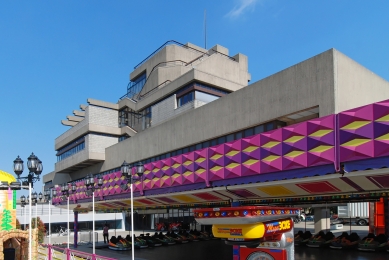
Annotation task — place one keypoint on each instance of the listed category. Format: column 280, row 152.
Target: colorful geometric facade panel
column 364, row 132
column 318, row 187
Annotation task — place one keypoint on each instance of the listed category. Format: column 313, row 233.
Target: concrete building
column 183, row 99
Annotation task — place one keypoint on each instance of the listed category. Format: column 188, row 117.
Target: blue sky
column 56, row 54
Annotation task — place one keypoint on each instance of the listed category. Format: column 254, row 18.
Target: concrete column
column 322, row 219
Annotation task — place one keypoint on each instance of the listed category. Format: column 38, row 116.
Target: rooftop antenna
column 205, row 28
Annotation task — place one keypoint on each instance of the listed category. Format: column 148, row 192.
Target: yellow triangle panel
column 232, row 153
column 320, row 148
column 270, row 144
column 356, row 142
column 321, row 133
column 294, row 139
column 355, row 125
column 271, row 158
column 250, row 149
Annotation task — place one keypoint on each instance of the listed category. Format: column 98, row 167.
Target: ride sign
column 281, row 226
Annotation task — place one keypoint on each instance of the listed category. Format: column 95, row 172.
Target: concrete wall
column 97, row 119
column 304, row 85
column 98, row 143
column 167, row 109
column 355, row 85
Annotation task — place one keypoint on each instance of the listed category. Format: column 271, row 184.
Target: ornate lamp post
column 23, row 202
column 65, row 192
column 35, row 167
column 127, row 173
column 90, row 185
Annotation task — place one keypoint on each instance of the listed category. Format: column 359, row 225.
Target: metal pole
column 68, row 231
column 24, row 211
column 93, row 220
column 50, row 220
column 29, row 221
column 36, row 215
column 132, row 223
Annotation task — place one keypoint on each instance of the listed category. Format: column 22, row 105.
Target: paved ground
column 216, row 249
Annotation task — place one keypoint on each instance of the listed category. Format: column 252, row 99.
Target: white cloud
column 241, row 7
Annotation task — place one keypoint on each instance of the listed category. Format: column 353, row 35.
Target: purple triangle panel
column 232, row 173
column 381, row 148
column 299, row 145
column 380, row 110
column 276, row 150
column 216, row 175
column 252, row 169
column 351, row 155
column 366, row 131
column 234, row 145
column 328, row 139
column 296, row 129
column 254, row 140
column 346, row 136
column 380, row 129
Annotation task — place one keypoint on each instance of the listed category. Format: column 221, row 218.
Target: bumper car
column 345, row 241
column 119, row 244
column 321, row 239
column 165, row 240
column 176, row 238
column 373, row 243
column 151, row 241
column 138, row 242
column 302, row 238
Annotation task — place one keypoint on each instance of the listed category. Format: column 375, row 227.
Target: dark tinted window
column 248, row 132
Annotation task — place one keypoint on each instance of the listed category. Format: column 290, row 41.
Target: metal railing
column 171, row 42
column 50, row 252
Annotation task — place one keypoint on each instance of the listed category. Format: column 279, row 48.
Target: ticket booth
column 256, row 232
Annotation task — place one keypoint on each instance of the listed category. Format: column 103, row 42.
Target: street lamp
column 90, row 186
column 127, row 173
column 48, row 199
column 65, row 192
column 34, row 166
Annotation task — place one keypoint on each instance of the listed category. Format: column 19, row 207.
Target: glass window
column 174, row 153
column 167, row 155
column 248, row 132
column 221, row 140
column 205, row 97
column 199, row 146
column 269, row 126
column 230, row 138
column 258, row 129
column 213, row 142
column 238, row 135
column 185, row 99
column 185, row 150
column 179, row 152
column 206, row 144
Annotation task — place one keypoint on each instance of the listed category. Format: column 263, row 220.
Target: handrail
column 165, row 62
column 145, row 94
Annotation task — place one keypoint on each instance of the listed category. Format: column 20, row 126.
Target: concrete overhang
column 78, row 113
column 75, row 118
column 169, row 89
column 60, row 142
column 68, row 123
column 79, row 161
column 100, row 103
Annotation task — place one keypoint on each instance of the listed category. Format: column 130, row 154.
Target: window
column 136, row 85
column 258, row 129
column 248, row 132
column 185, row 99
column 230, row 138
column 205, row 97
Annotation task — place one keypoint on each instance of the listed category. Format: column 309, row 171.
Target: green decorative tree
column 6, row 221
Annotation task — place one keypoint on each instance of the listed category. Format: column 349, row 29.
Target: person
column 105, row 233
